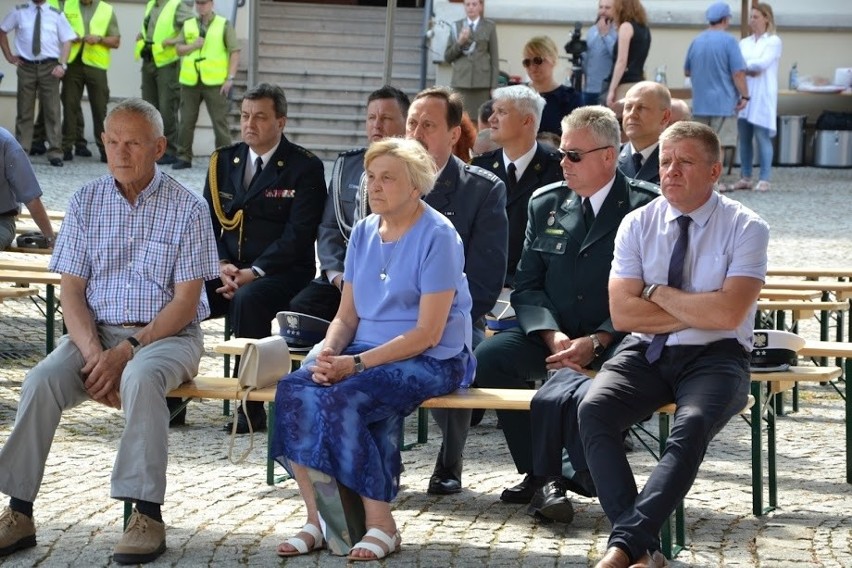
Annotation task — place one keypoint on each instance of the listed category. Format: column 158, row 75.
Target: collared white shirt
column 598, row 198
column 250, row 166
column 473, row 23
column 521, row 163
column 646, row 153
column 55, row 30
column 725, row 239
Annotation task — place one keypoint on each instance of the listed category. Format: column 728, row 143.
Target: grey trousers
column 56, row 384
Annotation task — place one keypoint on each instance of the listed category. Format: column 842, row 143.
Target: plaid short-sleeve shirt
column 133, row 255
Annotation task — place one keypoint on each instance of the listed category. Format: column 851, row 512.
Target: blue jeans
column 748, row 131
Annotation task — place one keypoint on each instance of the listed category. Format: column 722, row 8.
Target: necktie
column 675, row 281
column 512, row 177
column 588, row 213
column 258, row 167
column 637, row 162
column 37, row 33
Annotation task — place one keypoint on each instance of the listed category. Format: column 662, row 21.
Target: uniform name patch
column 280, row 193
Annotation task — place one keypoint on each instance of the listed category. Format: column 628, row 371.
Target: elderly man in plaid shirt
column 134, row 251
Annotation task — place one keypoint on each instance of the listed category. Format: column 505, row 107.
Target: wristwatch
column 134, row 343
column 359, row 365
column 597, row 345
column 256, row 272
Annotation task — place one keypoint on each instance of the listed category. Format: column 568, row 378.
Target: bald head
column 680, row 111
column 647, row 112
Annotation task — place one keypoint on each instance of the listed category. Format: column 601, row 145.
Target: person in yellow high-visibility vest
column 163, row 21
column 97, row 33
column 210, row 54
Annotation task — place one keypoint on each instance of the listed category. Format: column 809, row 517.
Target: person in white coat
column 762, row 53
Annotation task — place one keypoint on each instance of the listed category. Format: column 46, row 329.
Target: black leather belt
column 40, row 61
column 11, row 213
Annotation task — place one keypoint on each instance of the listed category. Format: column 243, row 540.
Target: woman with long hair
column 762, row 53
column 631, row 48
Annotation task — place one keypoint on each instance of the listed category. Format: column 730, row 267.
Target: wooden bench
column 52, row 215
column 49, row 280
column 494, row 399
column 781, row 294
column 810, row 273
column 8, row 293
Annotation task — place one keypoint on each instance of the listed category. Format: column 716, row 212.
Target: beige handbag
column 262, row 364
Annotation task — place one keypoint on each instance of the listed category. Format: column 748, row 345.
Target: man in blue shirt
column 716, row 68
column 597, row 61
column 134, row 251
column 685, row 277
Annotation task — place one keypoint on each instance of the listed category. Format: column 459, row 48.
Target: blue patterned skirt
column 351, row 430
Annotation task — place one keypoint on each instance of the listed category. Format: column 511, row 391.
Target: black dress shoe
column 443, row 484
column 549, row 502
column 178, row 419
column 83, row 151
column 37, row 149
column 258, row 419
column 56, row 162
column 67, row 155
column 166, row 160
column 520, row 493
column 181, row 165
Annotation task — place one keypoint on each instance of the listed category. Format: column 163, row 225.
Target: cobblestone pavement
column 219, row 514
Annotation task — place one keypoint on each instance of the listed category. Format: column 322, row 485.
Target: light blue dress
column 351, row 430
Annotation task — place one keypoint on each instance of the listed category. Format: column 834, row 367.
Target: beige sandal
column 301, row 545
column 744, row 183
column 762, row 185
column 393, row 543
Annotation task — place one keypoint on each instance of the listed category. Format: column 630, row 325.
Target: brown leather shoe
column 648, row 560
column 614, row 558
column 17, row 531
column 143, row 541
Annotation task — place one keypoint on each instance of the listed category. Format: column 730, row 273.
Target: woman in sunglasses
column 631, row 49
column 539, row 62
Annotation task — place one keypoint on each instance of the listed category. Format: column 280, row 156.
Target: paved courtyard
column 219, row 514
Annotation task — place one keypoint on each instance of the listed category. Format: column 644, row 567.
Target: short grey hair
column 701, row 133
column 419, row 164
column 525, row 99
column 600, row 120
column 141, row 108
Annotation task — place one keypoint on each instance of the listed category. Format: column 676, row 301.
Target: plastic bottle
column 660, row 77
column 794, row 77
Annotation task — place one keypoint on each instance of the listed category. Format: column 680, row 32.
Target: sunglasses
column 577, row 155
column 533, row 61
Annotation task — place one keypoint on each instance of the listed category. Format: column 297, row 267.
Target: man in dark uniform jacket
column 386, row 111
column 523, row 164
column 560, row 298
column 475, row 202
column 647, row 112
column 266, row 198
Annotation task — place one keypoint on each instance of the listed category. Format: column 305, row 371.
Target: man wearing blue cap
column 717, row 69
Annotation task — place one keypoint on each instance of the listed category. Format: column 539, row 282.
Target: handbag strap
column 245, row 454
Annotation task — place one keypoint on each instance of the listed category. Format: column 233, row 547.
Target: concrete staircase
column 328, row 59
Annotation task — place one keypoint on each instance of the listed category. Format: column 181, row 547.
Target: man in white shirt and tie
column 472, row 51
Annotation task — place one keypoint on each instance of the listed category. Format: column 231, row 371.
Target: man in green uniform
column 210, row 54
column 163, row 21
column 97, row 34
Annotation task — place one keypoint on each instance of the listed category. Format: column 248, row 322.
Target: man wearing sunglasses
column 561, row 302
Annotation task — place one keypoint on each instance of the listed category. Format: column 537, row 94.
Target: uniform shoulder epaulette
column 551, row 152
column 353, row 152
column 482, row 172
column 305, row 152
column 489, row 160
column 548, row 188
column 647, row 186
column 228, row 146
column 22, row 6
column 54, row 9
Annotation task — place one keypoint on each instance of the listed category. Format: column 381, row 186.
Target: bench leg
column 50, row 301
column 422, row 426
column 226, row 404
column 757, row 450
column 848, row 400
column 770, row 458
column 666, row 531
column 128, row 510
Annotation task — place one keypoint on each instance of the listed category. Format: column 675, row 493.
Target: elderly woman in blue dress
column 402, row 335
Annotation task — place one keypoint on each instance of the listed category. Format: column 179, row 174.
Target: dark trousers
column 319, row 298
column 78, row 76
column 513, row 360
column 553, row 414
column 160, row 87
column 454, row 425
column 709, row 384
